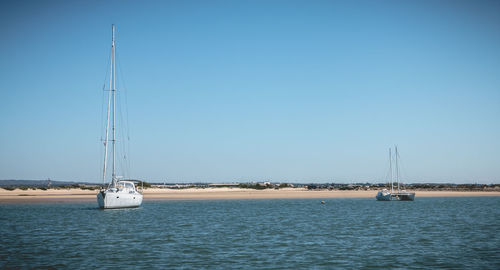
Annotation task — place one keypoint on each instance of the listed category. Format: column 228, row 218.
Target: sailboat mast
column 107, row 122
column 390, row 170
column 113, row 92
column 397, row 167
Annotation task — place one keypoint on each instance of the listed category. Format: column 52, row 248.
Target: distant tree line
column 260, row 186
column 72, row 186
column 76, row 186
column 268, row 185
column 417, row 186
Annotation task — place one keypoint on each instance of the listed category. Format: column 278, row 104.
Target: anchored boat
column 119, row 193
column 401, row 194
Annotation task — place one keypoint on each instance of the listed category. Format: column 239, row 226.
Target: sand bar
column 78, row 195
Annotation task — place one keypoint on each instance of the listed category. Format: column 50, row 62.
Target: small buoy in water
column 322, row 202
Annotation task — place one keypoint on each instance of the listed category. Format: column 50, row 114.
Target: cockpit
column 123, row 185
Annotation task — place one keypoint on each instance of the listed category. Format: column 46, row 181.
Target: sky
column 282, row 91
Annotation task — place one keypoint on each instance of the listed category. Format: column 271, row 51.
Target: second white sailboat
column 400, row 195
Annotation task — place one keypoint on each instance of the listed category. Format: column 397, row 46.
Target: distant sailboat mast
column 397, row 167
column 390, row 170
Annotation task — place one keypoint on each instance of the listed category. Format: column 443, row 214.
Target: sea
column 428, row 233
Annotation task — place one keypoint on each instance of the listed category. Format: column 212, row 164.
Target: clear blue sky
column 219, row 91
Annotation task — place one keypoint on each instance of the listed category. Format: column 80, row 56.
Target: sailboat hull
column 398, row 196
column 406, row 196
column 383, row 196
column 109, row 199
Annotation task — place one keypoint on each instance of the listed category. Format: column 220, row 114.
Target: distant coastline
column 221, row 193
column 50, row 184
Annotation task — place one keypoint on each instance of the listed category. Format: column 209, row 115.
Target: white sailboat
column 118, row 194
column 400, row 195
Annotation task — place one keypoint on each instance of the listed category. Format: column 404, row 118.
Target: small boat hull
column 406, row 196
column 110, row 199
column 383, row 195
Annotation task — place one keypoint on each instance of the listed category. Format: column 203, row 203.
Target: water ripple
column 450, row 233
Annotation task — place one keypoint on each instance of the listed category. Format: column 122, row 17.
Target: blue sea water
column 428, row 233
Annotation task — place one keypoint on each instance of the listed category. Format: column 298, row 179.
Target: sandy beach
column 78, row 195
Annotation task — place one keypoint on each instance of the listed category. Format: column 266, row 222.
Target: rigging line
column 102, row 124
column 125, row 97
column 386, row 179
column 101, row 152
column 99, row 161
column 124, row 162
column 108, row 63
column 125, row 92
column 123, row 152
column 119, row 133
column 102, row 112
column 402, row 170
column 103, row 101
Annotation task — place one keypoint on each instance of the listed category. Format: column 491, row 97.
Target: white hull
column 110, row 199
column 383, row 195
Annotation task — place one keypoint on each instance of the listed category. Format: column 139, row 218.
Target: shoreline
column 156, row 194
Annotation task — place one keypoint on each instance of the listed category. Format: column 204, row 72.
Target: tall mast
column 397, row 167
column 390, row 170
column 107, row 122
column 113, row 90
